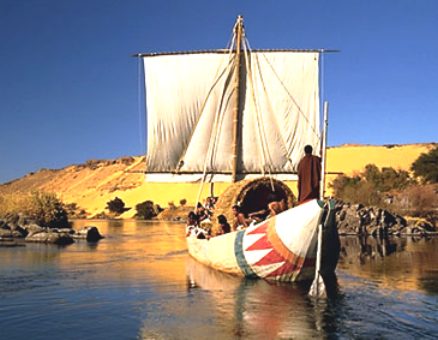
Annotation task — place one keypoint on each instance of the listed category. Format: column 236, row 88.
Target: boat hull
column 282, row 248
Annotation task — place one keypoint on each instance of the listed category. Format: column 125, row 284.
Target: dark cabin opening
column 260, row 195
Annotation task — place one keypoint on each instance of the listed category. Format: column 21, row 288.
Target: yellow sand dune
column 353, row 158
column 93, row 184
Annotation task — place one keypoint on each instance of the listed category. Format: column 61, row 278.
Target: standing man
column 309, row 176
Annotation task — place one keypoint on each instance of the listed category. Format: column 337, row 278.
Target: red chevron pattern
column 285, row 268
column 260, row 229
column 270, row 258
column 261, row 244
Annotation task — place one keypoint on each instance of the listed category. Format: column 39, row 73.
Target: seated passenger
column 240, row 222
column 197, row 231
column 201, row 213
column 210, row 203
column 192, row 219
column 192, row 223
column 277, row 207
column 223, row 224
column 200, row 233
column 259, row 215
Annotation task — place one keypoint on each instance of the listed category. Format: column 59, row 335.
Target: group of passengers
column 309, row 176
column 273, row 208
column 201, row 215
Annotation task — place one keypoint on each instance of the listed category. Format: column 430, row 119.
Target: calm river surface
column 140, row 283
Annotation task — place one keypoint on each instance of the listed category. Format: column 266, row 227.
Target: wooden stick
column 236, row 113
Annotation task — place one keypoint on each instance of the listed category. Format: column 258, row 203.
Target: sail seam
column 259, row 135
column 183, row 154
column 271, row 108
column 292, row 98
column 212, row 143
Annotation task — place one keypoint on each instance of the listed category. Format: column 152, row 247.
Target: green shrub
column 147, row 210
column 386, row 179
column 46, row 209
column 426, row 166
column 116, row 206
column 370, row 186
column 74, row 211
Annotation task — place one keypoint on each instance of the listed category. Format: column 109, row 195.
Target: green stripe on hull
column 240, row 257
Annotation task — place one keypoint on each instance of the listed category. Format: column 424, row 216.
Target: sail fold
column 190, row 103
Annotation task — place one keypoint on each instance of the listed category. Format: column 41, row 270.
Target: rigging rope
column 210, row 91
column 254, row 101
column 271, row 109
column 212, row 144
column 261, row 136
column 292, row 98
column 321, row 87
column 139, row 108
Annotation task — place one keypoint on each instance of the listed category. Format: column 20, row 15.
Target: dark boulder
column 89, row 233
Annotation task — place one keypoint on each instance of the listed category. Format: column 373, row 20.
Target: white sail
column 190, row 103
column 281, row 112
column 185, row 93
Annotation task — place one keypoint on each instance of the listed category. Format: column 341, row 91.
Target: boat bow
column 282, row 248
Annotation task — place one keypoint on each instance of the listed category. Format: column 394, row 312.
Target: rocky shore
column 356, row 219
column 352, row 219
column 17, row 229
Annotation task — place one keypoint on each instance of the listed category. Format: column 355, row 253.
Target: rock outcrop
column 360, row 220
column 16, row 228
column 52, row 237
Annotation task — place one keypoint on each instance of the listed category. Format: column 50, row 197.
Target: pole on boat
column 317, row 289
column 238, row 29
column 211, row 189
column 324, row 151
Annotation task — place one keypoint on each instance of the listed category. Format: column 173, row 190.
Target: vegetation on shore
column 45, row 209
column 400, row 178
column 397, row 190
column 426, row 166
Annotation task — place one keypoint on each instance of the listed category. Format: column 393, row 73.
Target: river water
column 140, row 283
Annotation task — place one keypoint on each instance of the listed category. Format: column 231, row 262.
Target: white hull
column 282, row 248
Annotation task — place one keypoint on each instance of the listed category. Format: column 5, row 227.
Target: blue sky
column 69, row 88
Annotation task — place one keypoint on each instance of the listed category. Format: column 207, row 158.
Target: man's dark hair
column 308, row 149
column 236, row 207
column 272, row 197
column 222, row 219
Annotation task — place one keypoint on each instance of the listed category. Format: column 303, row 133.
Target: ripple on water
column 139, row 282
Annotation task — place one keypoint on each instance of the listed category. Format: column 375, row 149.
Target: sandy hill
column 94, row 183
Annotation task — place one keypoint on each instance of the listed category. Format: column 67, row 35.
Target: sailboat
column 238, row 114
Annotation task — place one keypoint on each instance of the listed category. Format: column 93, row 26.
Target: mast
column 238, row 30
column 223, row 94
column 324, row 151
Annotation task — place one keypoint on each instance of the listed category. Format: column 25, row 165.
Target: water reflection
column 250, row 308
column 148, row 249
column 140, row 282
column 402, row 263
column 371, row 247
